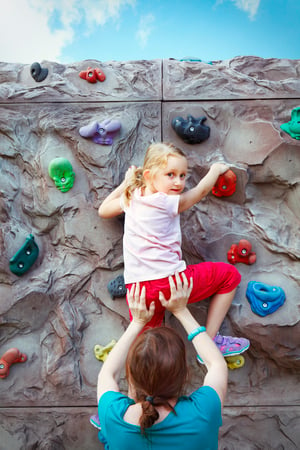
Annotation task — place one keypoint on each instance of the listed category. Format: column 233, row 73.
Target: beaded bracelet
column 195, row 332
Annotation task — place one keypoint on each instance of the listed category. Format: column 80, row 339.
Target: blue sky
column 74, row 30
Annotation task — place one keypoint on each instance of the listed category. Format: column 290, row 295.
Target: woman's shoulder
column 114, row 397
column 207, row 395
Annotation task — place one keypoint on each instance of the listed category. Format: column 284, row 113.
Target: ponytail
column 149, row 414
column 136, row 180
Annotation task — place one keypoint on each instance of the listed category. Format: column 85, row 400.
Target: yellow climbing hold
column 235, row 362
column 101, row 352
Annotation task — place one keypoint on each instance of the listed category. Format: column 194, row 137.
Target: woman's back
column 194, row 426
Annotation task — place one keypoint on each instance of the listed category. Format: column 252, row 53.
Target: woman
column 156, row 415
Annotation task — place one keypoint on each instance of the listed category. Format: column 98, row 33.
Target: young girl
column 153, row 198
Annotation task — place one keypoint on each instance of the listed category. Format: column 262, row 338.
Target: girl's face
column 171, row 178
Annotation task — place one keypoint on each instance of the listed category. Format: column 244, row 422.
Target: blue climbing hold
column 263, row 298
column 38, row 73
column 191, row 130
column 116, row 287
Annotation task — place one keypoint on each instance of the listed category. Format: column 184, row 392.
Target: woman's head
column 156, row 367
column 156, row 159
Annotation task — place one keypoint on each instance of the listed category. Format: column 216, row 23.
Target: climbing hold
column 101, row 133
column 37, row 72
column 293, row 126
column 191, row 130
column 235, row 362
column 117, row 287
column 61, row 172
column 101, row 352
column 263, row 298
column 225, row 185
column 11, row 356
column 241, row 253
column 25, row 257
column 195, row 59
column 92, row 75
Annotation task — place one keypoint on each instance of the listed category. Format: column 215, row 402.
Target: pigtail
column 133, row 181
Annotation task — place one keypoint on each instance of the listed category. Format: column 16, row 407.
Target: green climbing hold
column 61, row 172
column 293, row 126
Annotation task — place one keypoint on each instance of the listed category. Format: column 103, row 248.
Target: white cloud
column 26, row 35
column 145, row 28
column 249, row 6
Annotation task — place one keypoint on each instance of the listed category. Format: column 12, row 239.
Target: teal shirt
column 194, row 427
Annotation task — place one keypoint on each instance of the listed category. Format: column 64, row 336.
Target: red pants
column 208, row 278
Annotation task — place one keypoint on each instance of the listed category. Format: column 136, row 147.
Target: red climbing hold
column 92, row 75
column 241, row 253
column 225, row 185
column 11, row 356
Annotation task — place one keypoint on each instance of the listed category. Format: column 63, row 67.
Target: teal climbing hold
column 25, row 257
column 293, row 126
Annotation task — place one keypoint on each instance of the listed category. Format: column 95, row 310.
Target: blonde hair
column 156, row 157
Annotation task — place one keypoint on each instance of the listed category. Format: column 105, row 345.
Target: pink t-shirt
column 152, row 237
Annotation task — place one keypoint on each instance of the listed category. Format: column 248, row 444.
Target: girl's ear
column 147, row 175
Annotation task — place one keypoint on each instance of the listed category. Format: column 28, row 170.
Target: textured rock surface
column 61, row 308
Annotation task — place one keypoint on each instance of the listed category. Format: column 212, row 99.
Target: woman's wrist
column 186, row 319
column 195, row 332
column 138, row 324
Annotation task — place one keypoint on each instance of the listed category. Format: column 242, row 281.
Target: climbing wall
column 57, row 306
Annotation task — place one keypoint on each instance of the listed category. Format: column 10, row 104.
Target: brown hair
column 156, row 157
column 156, row 367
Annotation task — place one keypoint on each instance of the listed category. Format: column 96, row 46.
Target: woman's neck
column 134, row 412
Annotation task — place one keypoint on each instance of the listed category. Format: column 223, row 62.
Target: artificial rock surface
column 61, row 308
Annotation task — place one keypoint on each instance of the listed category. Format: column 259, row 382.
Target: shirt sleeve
column 208, row 398
column 110, row 407
column 168, row 202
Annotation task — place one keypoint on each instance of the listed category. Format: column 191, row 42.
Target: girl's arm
column 217, row 371
column 111, row 207
column 109, row 375
column 194, row 195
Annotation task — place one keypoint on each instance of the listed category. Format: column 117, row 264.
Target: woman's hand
column 179, row 294
column 137, row 305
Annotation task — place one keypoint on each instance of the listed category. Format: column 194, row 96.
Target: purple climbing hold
column 101, row 133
